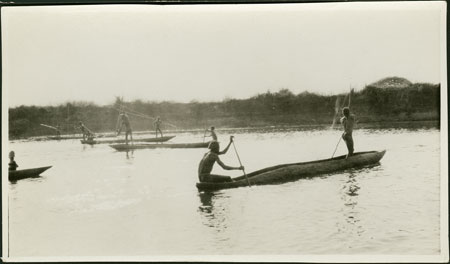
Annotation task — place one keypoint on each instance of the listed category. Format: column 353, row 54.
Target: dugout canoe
column 28, row 173
column 125, row 147
column 153, row 139
column 63, row 137
column 294, row 171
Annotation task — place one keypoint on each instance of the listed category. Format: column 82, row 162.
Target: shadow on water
column 37, row 178
column 212, row 215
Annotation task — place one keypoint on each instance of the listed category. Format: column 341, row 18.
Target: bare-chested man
column 348, row 121
column 12, row 165
column 157, row 125
column 213, row 133
column 122, row 121
column 209, row 159
column 87, row 134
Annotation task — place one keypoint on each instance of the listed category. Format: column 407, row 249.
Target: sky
column 57, row 54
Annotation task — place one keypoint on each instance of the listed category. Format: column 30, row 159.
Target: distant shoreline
column 389, row 100
column 282, row 127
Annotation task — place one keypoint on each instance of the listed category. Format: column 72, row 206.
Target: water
column 98, row 202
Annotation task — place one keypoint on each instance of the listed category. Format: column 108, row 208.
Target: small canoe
column 125, row 147
column 159, row 139
column 28, row 173
column 294, row 171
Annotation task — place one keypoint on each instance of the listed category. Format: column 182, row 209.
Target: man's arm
column 226, row 167
column 90, row 132
column 226, row 149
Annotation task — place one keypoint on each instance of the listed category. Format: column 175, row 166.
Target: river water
column 95, row 201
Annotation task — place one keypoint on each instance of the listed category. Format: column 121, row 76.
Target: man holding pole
column 87, row 134
column 213, row 134
column 209, row 159
column 157, row 125
column 122, row 121
column 348, row 121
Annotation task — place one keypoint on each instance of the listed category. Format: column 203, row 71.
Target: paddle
column 241, row 164
column 337, row 145
column 204, row 135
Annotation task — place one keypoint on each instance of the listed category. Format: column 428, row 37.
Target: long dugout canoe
column 63, row 137
column 111, row 141
column 67, row 137
column 27, row 173
column 294, row 171
column 127, row 147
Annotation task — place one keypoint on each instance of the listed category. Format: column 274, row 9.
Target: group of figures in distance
column 209, row 181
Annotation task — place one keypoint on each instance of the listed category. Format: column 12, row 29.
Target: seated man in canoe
column 213, row 133
column 157, row 125
column 87, row 134
column 122, row 121
column 209, row 159
column 348, row 121
column 12, row 165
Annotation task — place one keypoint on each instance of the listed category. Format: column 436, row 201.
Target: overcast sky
column 56, row 54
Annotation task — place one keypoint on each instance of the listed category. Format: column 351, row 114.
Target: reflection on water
column 129, row 154
column 38, row 178
column 87, row 146
column 150, row 200
column 212, row 217
column 350, row 199
column 350, row 228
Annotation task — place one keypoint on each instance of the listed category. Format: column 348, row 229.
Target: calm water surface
column 99, row 202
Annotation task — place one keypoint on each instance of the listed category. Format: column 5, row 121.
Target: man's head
column 11, row 155
column 346, row 111
column 214, row 146
column 212, row 128
column 80, row 123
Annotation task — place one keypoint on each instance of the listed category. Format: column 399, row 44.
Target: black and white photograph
column 294, row 132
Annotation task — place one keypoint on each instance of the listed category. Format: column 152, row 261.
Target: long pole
column 337, row 146
column 138, row 114
column 241, row 165
column 204, row 135
column 49, row 126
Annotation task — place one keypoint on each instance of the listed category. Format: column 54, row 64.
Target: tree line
column 419, row 101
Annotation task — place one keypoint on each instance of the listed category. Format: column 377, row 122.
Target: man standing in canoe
column 12, row 165
column 87, row 134
column 122, row 121
column 58, row 131
column 209, row 159
column 157, row 125
column 348, row 121
column 213, row 133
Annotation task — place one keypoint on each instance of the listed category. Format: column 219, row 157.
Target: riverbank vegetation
column 390, row 99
